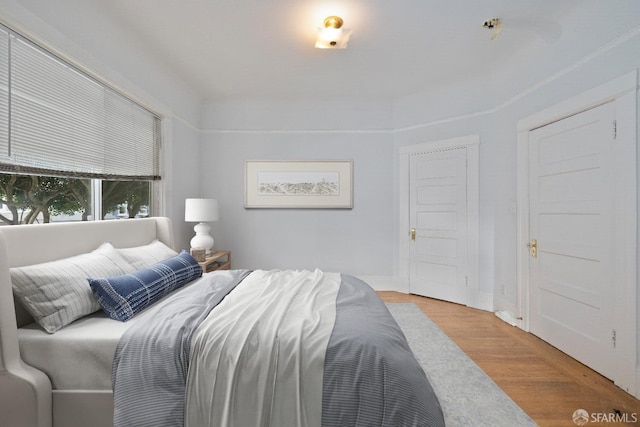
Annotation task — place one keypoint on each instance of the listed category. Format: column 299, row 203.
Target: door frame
column 472, row 144
column 624, row 92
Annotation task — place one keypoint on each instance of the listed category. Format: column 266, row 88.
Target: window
column 65, row 137
column 29, row 199
column 125, row 199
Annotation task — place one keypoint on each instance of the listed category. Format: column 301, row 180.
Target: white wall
column 181, row 155
column 515, row 93
column 355, row 241
column 206, row 146
column 112, row 55
column 233, row 133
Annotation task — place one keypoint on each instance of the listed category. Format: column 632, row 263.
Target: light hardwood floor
column 546, row 383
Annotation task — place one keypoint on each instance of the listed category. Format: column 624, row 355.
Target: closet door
column 438, row 221
column 572, row 229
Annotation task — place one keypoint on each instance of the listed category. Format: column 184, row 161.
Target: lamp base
column 202, row 239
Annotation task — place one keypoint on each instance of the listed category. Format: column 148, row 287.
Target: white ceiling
column 226, row 49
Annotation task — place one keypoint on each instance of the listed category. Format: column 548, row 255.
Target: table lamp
column 201, row 211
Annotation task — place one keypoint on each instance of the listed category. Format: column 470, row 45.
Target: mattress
column 77, row 357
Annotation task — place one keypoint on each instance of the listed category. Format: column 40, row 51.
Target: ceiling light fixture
column 332, row 35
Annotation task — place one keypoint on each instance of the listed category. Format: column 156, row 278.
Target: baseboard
column 500, row 303
column 507, row 317
column 508, row 311
column 483, row 301
column 386, row 283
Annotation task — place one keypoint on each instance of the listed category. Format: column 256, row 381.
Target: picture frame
column 299, row 184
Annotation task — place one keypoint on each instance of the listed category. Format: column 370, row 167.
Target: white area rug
column 467, row 395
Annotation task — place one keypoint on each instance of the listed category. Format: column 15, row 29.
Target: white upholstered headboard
column 34, row 244
column 25, row 393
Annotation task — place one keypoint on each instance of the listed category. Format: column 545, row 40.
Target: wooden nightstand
column 217, row 260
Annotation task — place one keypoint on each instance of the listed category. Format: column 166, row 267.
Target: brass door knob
column 533, row 248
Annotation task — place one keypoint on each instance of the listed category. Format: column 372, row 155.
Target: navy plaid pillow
column 122, row 297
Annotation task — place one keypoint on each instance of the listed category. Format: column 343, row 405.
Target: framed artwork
column 299, row 184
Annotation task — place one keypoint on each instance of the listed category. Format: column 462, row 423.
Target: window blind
column 58, row 120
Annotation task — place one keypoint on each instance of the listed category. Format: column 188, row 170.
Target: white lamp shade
column 200, row 210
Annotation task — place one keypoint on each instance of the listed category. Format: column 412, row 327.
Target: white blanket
column 258, row 359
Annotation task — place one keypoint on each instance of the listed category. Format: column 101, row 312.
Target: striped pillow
column 56, row 293
column 147, row 255
column 122, row 297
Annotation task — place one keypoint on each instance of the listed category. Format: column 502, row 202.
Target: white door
column 572, row 205
column 438, row 221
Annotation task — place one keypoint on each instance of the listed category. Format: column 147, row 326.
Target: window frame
column 157, row 129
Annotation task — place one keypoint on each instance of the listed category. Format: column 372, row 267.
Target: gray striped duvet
column 367, row 375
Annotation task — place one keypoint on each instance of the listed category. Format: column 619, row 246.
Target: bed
column 152, row 340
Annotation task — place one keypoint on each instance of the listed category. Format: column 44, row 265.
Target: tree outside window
column 125, row 199
column 28, row 199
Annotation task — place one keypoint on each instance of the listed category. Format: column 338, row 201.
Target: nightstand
column 217, row 260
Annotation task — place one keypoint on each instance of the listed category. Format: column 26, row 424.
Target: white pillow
column 145, row 256
column 56, row 293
